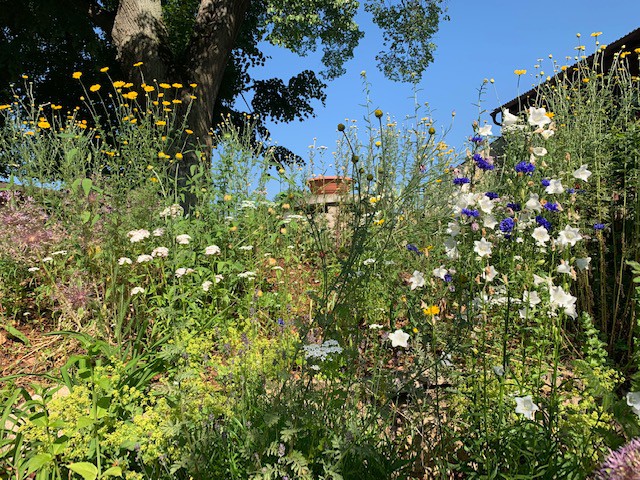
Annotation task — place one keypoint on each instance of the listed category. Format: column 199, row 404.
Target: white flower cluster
column 321, row 352
column 173, row 211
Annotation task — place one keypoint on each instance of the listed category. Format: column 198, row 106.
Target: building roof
column 606, row 57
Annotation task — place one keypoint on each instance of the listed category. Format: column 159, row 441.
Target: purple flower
column 280, row 321
column 543, row 222
column 545, row 182
column 477, row 139
column 491, row 195
column 623, row 464
column 552, row 207
column 507, row 224
column 447, row 277
column 571, row 190
column 598, row 226
column 525, row 167
column 483, row 163
column 460, row 180
column 470, row 212
column 516, row 207
column 412, row 248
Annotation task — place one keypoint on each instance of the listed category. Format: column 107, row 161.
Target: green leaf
column 86, row 186
column 112, row 472
column 37, row 462
column 87, row 470
column 60, row 444
column 85, row 216
column 84, row 422
column 14, row 332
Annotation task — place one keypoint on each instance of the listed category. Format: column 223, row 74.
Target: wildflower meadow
column 466, row 312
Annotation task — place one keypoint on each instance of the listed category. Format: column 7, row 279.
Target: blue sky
column 482, row 40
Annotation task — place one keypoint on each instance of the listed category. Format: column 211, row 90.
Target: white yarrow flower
column 138, row 235
column 144, row 258
column 246, row 248
column 181, row 272
column 212, row 250
column 158, row 232
column 183, row 239
column 124, row 260
column 136, row 290
column 206, row 285
column 162, row 252
column 33, row 269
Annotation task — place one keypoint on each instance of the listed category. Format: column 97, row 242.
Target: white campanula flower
column 124, row 260
column 583, row 263
column 369, row 261
column 206, row 285
column 183, row 239
column 485, row 130
column 416, row 280
column 555, row 186
column 144, row 258
column 510, row 121
column 562, row 299
column 531, row 297
column 399, row 339
column 498, row 370
column 564, row 267
column 138, row 235
column 569, row 236
column 533, row 204
column 633, row 400
column 486, row 204
column 161, row 252
column 526, row 407
column 547, row 133
column 539, row 151
column 489, row 273
column 538, row 117
column 212, row 250
column 181, row 272
column 541, row 236
column 440, row 272
column 136, row 290
column 490, row 221
column 482, row 247
column 453, row 228
column 451, row 248
column 582, row 173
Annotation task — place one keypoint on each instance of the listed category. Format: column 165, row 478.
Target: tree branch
column 99, row 16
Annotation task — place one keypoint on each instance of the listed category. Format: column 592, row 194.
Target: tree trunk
column 139, row 34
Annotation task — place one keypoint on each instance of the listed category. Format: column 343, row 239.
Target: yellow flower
column 77, row 75
column 286, row 206
column 378, row 222
column 188, row 132
column 131, row 95
column 585, row 80
column 596, row 34
column 178, row 156
column 95, row 88
column 138, row 64
column 233, row 229
column 176, row 101
column 192, row 97
column 520, row 72
column 153, row 179
column 176, row 85
column 128, row 85
column 118, row 84
column 165, row 85
column 163, row 155
column 44, row 124
column 227, row 198
column 193, row 85
column 104, row 69
column 4, row 107
column 25, row 76
column 149, row 88
column 432, row 310
column 161, row 123
column 29, row 133
column 55, row 107
column 165, row 103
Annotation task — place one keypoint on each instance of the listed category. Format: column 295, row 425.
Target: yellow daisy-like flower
column 104, row 69
column 77, row 75
column 118, row 84
column 138, row 64
column 29, row 133
column 131, row 95
column 585, row 80
column 165, row 85
column 44, row 124
column 192, row 97
column 188, row 132
column 179, row 156
column 128, row 85
column 193, row 85
column 161, row 123
column 95, row 88
column 165, row 103
column 431, row 310
column 25, row 76
column 379, row 222
column 55, row 107
column 596, row 34
column 163, row 155
column 520, row 72
column 149, row 88
column 227, row 198
column 4, row 107
column 176, row 85
column 176, row 101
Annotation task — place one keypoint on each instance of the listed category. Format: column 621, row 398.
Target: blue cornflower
column 543, row 222
column 598, row 226
column 460, row 180
column 516, row 207
column 281, row 322
column 525, row 167
column 470, row 212
column 552, row 207
column 412, row 248
column 491, row 195
column 507, row 224
column 477, row 139
column 482, row 162
column 447, row 277
column 571, row 190
column 545, row 182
